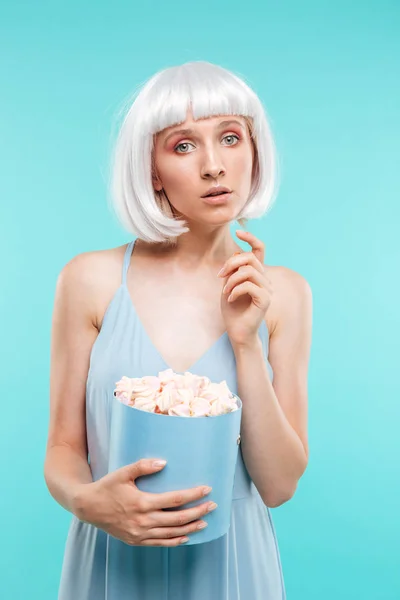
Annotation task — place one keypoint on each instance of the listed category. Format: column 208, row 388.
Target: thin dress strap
column 127, row 260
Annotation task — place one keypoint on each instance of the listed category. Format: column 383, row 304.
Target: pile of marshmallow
column 170, row 393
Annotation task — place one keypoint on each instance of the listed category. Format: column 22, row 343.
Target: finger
column 174, row 532
column 181, row 517
column 257, row 245
column 258, row 295
column 171, row 499
column 246, row 273
column 235, row 262
column 163, row 542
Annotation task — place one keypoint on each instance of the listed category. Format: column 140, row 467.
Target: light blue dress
column 244, row 564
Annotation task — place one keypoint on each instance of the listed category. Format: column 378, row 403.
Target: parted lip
column 215, row 189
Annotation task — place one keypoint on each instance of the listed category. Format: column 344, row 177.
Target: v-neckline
column 157, row 351
column 127, row 264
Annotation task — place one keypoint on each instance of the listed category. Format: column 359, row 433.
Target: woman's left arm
column 274, row 415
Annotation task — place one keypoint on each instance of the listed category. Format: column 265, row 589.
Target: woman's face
column 217, row 151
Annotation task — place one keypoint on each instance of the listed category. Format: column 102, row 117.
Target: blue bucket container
column 198, row 450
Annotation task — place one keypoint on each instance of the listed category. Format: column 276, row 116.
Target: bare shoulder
column 290, row 287
column 284, row 276
column 96, row 275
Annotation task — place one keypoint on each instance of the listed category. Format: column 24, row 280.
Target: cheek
column 179, row 173
column 177, row 177
column 242, row 164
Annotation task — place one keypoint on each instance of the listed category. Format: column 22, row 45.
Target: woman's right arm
column 112, row 503
column 73, row 333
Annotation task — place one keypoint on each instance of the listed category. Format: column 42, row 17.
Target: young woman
column 162, row 302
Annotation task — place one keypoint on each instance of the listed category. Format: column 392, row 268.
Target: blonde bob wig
column 163, row 101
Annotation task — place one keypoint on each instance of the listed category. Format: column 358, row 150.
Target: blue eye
column 231, row 135
column 182, row 144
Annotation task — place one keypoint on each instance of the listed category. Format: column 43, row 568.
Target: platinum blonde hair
column 163, row 101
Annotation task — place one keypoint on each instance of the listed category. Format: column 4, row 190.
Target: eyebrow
column 192, row 131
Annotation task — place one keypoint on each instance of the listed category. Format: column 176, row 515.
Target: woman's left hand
column 250, row 291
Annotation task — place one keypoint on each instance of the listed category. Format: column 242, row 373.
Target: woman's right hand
column 115, row 505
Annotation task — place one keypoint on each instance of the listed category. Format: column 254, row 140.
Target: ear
column 157, row 185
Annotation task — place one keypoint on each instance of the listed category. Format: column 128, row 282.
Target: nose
column 212, row 165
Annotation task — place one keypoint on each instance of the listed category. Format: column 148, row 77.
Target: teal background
column 328, row 74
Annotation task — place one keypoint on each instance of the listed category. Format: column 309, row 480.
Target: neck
column 194, row 250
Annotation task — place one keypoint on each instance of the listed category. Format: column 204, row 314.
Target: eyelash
column 229, row 135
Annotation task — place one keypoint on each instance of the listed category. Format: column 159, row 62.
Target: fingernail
column 159, row 463
column 212, row 506
column 184, row 540
column 206, row 491
column 202, row 525
column 220, row 272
